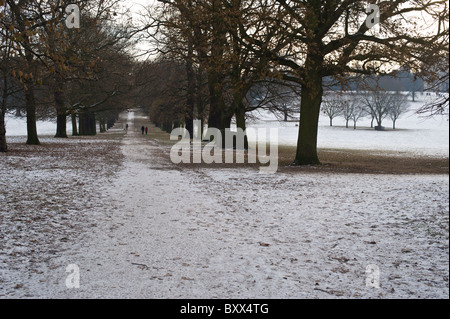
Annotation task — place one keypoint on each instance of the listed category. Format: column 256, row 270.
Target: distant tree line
column 370, row 100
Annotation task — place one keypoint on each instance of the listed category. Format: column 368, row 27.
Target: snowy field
column 414, row 134
column 138, row 226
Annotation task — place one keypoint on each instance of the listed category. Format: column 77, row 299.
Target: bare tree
column 332, row 105
column 397, row 107
column 378, row 104
column 359, row 110
column 278, row 97
column 347, row 106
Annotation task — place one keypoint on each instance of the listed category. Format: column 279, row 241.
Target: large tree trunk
column 87, row 124
column 216, row 102
column 61, row 114
column 311, row 100
column 219, row 116
column 30, row 105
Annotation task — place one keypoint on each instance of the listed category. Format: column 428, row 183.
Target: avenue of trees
column 216, row 60
column 51, row 71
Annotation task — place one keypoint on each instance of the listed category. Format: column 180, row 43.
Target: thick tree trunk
column 30, row 105
column 61, row 114
column 219, row 116
column 311, row 101
column 216, row 102
column 87, row 124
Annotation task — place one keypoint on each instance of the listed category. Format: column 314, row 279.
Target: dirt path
column 167, row 232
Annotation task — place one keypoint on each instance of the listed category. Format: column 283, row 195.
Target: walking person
column 142, row 130
column 146, row 130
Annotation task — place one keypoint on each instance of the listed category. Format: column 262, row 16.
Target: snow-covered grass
column 17, row 126
column 139, row 226
column 414, row 134
column 47, row 194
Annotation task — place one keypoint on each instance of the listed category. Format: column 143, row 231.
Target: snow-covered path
column 232, row 233
column 165, row 232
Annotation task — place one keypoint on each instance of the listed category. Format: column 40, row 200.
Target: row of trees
column 377, row 105
column 51, row 71
column 216, row 59
column 164, row 93
column 226, row 48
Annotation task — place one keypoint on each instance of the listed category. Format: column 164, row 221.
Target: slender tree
column 331, row 106
column 398, row 106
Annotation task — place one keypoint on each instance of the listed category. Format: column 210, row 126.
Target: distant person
column 146, row 130
column 142, row 130
column 126, row 127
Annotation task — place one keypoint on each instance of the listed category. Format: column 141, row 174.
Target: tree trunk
column 74, row 124
column 311, row 100
column 216, row 102
column 190, row 100
column 219, row 117
column 61, row 114
column 102, row 125
column 3, row 144
column 87, row 124
column 379, row 122
column 240, row 121
column 30, row 105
